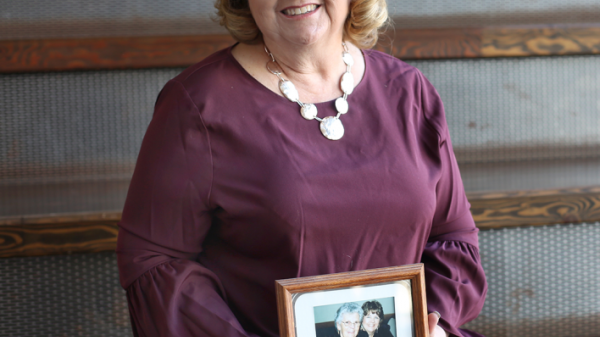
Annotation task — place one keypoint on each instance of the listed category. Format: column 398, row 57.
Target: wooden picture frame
column 303, row 303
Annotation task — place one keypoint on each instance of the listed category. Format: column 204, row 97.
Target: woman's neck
column 301, row 61
column 315, row 69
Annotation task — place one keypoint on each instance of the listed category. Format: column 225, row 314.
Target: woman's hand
column 434, row 329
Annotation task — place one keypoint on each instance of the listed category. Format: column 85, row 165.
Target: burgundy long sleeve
column 233, row 189
column 455, row 279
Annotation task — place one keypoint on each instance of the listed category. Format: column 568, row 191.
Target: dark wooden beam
column 436, row 43
column 541, row 41
column 58, row 234
column 535, row 208
column 181, row 51
column 501, row 41
column 86, row 233
column 108, row 53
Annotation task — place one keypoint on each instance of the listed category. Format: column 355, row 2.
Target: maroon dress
column 233, row 189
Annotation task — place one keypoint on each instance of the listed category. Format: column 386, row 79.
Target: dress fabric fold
column 233, row 190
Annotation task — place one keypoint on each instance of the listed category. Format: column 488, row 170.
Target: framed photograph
column 384, row 302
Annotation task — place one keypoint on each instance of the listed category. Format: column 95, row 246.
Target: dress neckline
column 357, row 89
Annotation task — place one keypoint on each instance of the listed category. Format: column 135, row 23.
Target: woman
column 347, row 320
column 372, row 321
column 234, row 189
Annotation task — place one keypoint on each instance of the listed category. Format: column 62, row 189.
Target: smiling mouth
column 300, row 10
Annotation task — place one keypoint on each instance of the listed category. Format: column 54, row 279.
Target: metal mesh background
column 27, row 19
column 461, row 13
column 526, row 123
column 80, row 124
column 68, row 141
column 33, row 19
column 62, row 296
column 524, row 102
column 542, row 283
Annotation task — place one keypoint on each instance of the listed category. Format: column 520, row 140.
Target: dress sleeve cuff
column 456, row 285
column 179, row 298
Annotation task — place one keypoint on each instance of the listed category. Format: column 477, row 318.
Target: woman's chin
column 349, row 333
column 305, row 33
column 306, row 37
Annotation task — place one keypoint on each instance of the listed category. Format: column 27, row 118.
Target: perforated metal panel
column 69, row 141
column 543, row 281
column 114, row 9
column 30, row 19
column 26, row 19
column 62, row 296
column 75, row 125
column 461, row 13
column 104, row 9
column 520, row 102
column 535, row 175
column 63, row 133
column 522, row 123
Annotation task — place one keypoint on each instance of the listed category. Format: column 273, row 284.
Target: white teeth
column 301, row 10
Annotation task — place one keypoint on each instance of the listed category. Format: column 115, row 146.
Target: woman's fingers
column 434, row 329
column 433, row 318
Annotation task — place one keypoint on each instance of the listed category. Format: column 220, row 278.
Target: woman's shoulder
column 385, row 66
column 211, row 75
column 216, row 59
column 392, row 76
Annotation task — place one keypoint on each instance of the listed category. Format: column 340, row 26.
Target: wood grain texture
column 51, row 235
column 181, row 51
column 94, row 232
column 534, row 208
column 540, row 41
column 108, row 53
column 415, row 273
column 435, row 43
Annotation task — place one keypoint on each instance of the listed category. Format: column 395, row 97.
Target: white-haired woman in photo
column 348, row 319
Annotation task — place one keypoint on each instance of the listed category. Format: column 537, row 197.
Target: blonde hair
column 361, row 28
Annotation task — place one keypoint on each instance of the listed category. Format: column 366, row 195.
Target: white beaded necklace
column 331, row 127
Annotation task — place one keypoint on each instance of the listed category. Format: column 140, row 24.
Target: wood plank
column 95, row 232
column 412, row 44
column 535, row 208
column 58, row 234
column 540, row 41
column 181, row 51
column 108, row 53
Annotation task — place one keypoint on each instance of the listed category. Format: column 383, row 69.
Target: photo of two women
column 371, row 318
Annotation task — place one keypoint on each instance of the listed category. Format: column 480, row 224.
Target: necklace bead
column 309, row 111
column 341, row 105
column 347, row 83
column 331, row 127
column 348, row 59
column 288, row 89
